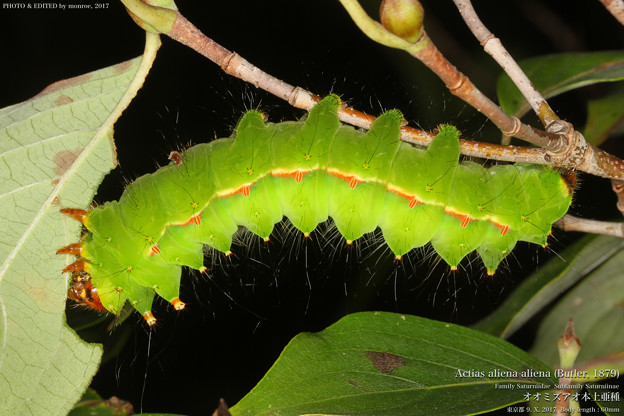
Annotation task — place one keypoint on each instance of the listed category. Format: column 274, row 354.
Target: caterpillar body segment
column 310, row 170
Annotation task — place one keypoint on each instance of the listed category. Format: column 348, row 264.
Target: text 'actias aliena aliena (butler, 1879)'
column 307, row 171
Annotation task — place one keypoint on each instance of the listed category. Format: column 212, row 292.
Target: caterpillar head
column 81, row 290
column 84, row 289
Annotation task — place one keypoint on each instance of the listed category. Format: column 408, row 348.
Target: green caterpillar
column 307, row 171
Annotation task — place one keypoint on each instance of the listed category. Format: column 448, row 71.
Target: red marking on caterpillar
column 353, row 180
column 245, row 190
column 195, row 219
column 412, row 200
column 154, row 250
column 464, row 218
column 296, row 174
column 504, row 228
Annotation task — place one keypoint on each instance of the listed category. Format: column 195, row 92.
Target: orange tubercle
column 73, row 249
column 76, row 266
column 76, row 213
column 178, row 305
column 149, row 318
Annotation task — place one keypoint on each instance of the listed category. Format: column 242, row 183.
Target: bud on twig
column 403, row 18
column 569, row 346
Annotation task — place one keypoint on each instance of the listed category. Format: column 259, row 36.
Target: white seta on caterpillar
column 307, row 170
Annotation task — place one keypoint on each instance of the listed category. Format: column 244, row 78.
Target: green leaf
column 595, row 305
column 375, row 363
column 604, row 116
column 55, row 149
column 555, row 74
column 545, row 285
column 155, row 16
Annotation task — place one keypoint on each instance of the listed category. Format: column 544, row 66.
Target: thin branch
column 457, row 83
column 186, row 33
column 618, row 188
column 616, row 7
column 493, row 46
column 572, row 151
column 461, row 86
column 572, row 223
column 232, row 63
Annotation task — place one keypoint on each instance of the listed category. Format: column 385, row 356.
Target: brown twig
column 493, row 46
column 458, row 84
column 618, row 188
column 571, row 150
column 616, row 7
column 232, row 63
column 572, row 223
column 572, row 155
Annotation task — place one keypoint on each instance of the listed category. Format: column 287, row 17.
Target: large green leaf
column 55, row 149
column 555, row 74
column 604, row 116
column 549, row 282
column 595, row 305
column 374, row 363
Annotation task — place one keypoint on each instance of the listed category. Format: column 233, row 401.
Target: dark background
column 240, row 318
